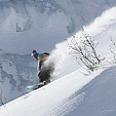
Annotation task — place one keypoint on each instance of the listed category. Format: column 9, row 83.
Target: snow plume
column 103, row 30
column 102, row 22
column 66, row 63
column 62, row 60
column 57, row 57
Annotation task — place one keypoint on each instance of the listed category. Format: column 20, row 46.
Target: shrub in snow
column 113, row 50
column 83, row 47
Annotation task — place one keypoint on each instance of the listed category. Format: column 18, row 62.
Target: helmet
column 35, row 54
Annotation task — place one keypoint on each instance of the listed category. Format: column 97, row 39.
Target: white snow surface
column 69, row 96
column 99, row 96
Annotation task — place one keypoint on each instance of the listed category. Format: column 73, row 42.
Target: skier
column 44, row 72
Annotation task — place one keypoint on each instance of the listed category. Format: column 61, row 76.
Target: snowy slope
column 99, row 96
column 16, row 72
column 49, row 95
column 69, row 97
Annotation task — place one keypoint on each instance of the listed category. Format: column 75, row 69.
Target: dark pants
column 45, row 74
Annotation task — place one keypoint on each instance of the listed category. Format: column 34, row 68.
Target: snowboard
column 34, row 87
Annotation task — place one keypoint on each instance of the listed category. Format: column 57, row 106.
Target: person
column 44, row 72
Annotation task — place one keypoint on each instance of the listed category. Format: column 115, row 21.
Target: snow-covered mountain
column 16, row 72
column 44, row 21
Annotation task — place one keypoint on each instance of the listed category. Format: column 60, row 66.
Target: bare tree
column 113, row 50
column 84, row 48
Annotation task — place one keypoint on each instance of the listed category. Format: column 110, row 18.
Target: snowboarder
column 44, row 72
